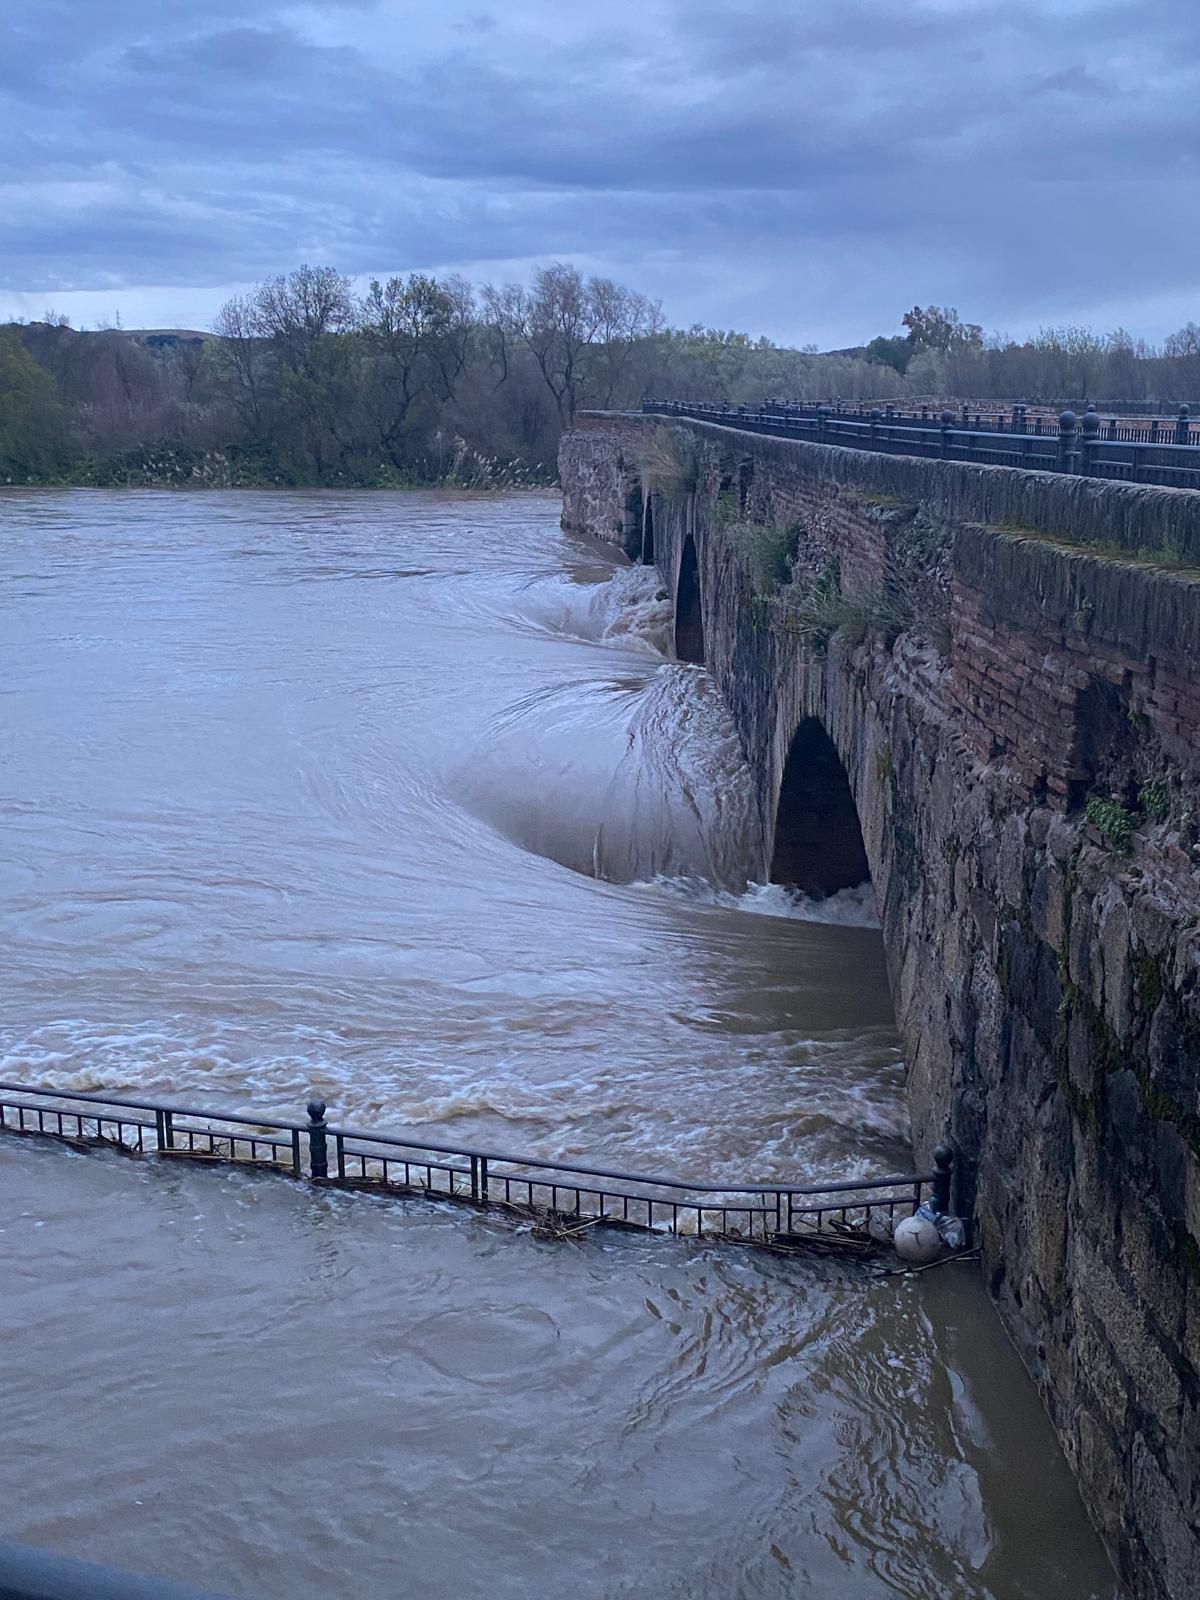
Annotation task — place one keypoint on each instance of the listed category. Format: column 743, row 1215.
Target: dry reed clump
column 669, row 460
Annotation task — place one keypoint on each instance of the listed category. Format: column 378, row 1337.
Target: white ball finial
column 917, row 1240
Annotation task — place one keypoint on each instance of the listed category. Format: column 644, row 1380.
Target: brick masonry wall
column 1047, row 985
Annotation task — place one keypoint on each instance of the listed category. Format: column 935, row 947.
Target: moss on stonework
column 1186, row 1248
column 1168, row 556
column 1147, row 980
column 877, row 499
column 728, row 509
column 1165, row 1108
column 1105, row 1054
column 885, row 769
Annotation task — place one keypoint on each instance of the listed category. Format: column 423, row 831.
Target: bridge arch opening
column 818, row 839
column 634, row 522
column 689, row 618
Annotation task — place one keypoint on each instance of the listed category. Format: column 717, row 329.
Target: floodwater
column 398, row 799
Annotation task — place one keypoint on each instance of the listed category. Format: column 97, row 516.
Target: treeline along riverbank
column 416, row 381
column 419, row 380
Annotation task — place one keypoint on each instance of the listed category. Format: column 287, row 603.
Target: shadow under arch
column 818, row 839
column 689, row 617
column 648, row 533
column 633, row 528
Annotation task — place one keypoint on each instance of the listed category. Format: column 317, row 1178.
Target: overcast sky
column 801, row 168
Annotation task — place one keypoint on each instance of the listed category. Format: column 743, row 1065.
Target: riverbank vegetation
column 421, row 380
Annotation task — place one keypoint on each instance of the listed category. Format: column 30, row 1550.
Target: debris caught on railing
column 561, row 1201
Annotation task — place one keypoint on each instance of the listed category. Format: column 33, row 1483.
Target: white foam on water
column 848, row 908
column 630, row 609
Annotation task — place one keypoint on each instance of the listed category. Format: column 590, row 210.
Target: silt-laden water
column 397, row 799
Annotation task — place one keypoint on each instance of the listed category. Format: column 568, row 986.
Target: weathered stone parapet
column 1045, row 967
column 598, row 471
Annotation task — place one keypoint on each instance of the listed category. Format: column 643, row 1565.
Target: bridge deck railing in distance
column 1093, row 448
column 571, row 1196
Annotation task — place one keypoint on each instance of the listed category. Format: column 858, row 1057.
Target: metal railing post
column 318, row 1153
column 943, row 1175
column 1068, row 437
column 1091, row 440
column 947, row 424
column 1181, row 425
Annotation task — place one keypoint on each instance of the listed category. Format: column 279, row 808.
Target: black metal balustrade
column 1155, row 452
column 569, row 1197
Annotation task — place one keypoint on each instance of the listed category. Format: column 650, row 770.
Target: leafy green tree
column 32, row 421
column 940, row 328
column 415, row 334
column 894, row 353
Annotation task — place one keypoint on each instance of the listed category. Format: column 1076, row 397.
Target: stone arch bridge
column 988, row 681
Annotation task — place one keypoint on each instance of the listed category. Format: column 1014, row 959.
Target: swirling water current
column 400, row 799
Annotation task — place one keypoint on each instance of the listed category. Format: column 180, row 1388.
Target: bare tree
column 625, row 319
column 240, row 359
column 297, row 312
column 414, row 331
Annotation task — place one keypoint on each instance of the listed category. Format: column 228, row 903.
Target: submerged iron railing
column 1156, row 453
column 569, row 1196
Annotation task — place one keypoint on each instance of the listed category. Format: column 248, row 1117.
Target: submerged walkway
column 565, row 1197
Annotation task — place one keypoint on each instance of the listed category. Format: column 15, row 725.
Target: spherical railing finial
column 1091, row 423
column 948, row 419
column 1185, row 410
column 1067, row 420
column 316, row 1110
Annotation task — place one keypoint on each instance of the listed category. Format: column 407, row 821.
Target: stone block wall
column 1045, row 962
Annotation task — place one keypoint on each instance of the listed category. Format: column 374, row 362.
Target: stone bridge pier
column 988, row 685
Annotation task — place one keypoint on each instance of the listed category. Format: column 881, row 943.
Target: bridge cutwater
column 965, row 656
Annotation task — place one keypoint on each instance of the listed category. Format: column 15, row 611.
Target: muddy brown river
column 400, row 799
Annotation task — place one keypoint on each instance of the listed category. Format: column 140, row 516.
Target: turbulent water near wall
column 400, row 799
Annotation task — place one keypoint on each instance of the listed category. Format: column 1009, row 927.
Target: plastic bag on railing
column 952, row 1231
column 928, row 1233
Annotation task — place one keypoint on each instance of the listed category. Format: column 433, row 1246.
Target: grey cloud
column 1018, row 160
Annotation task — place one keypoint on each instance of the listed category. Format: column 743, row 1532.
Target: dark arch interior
column 648, row 533
column 689, row 620
column 818, row 841
column 634, row 522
